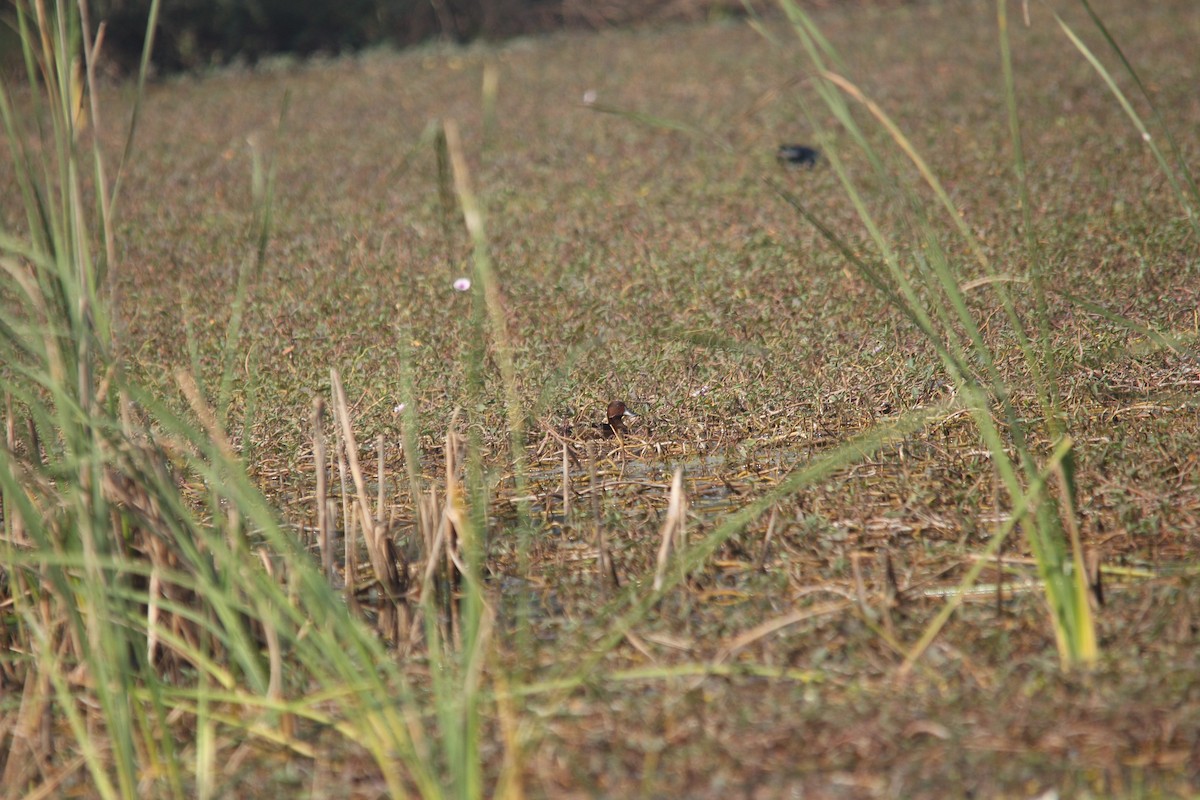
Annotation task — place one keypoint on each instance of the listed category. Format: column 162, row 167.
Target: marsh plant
column 932, row 284
column 144, row 576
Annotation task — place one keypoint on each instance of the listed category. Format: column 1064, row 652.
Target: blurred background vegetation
column 197, row 34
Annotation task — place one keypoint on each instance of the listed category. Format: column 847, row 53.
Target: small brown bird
column 616, row 419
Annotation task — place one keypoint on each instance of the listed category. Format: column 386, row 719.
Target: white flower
column 462, row 284
column 589, row 97
column 399, row 409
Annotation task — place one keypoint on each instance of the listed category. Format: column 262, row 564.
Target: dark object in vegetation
column 798, row 154
column 196, row 34
column 616, row 419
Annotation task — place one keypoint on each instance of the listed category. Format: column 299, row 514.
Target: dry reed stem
column 429, row 515
column 509, row 785
column 604, row 563
column 440, row 529
column 341, row 411
column 566, row 482
column 382, row 479
column 351, row 552
column 155, row 589
column 382, row 556
column 12, row 520
column 433, row 553
column 673, row 529
column 274, row 652
column 860, row 588
column 457, row 523
column 29, row 730
column 204, row 413
column 321, row 463
column 432, row 524
column 766, row 545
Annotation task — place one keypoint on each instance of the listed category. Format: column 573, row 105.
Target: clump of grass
column 149, row 583
column 927, row 285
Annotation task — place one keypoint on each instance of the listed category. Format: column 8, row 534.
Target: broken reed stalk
column 433, row 534
column 443, row 551
column 457, row 528
column 382, row 479
column 605, row 568
column 30, row 731
column 436, row 522
column 430, row 516
column 391, row 575
column 860, row 588
column 351, row 558
column 271, row 634
column 14, row 525
column 673, row 528
column 566, row 482
column 766, row 545
column 395, row 620
column 321, row 464
column 444, row 529
column 593, row 487
column 341, row 411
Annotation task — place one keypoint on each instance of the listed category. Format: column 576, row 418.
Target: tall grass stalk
column 1176, row 170
column 926, row 286
column 490, row 285
column 55, row 360
column 458, row 692
column 153, row 628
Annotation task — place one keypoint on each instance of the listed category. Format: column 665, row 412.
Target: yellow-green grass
column 658, row 267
